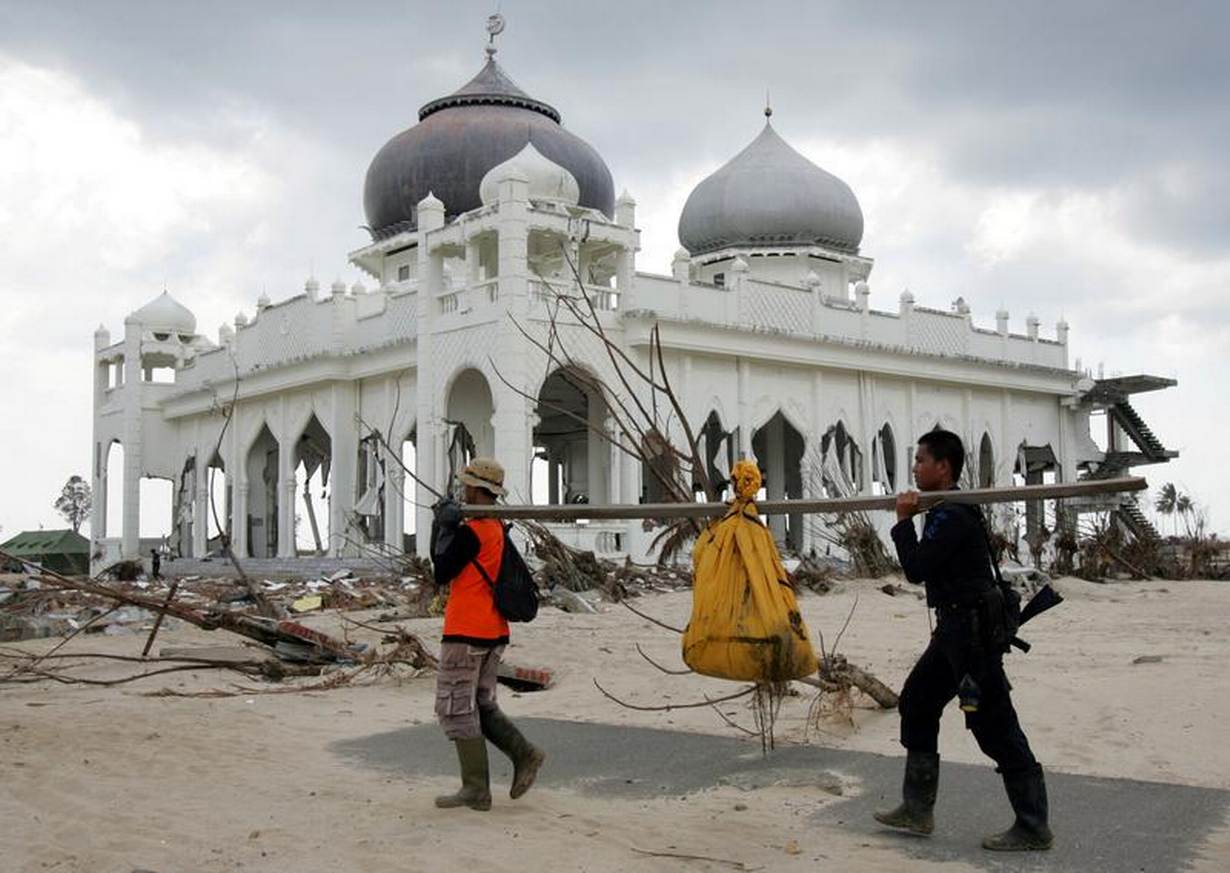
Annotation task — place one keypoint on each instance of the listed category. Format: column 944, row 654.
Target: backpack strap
column 986, row 538
column 481, row 571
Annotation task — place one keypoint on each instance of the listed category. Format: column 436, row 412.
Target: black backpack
column 514, row 589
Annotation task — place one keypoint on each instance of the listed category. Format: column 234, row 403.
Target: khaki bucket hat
column 485, row 473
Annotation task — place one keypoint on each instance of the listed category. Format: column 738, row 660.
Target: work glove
column 447, row 512
column 446, row 519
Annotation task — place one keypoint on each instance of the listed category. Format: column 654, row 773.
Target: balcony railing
column 603, row 298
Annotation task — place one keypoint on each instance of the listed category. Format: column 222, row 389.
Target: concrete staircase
column 1140, row 433
column 1130, row 514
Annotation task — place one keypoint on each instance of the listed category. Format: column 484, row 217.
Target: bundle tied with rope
column 745, row 623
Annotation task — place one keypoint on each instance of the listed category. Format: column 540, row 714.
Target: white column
column 98, row 485
column 431, row 278
column 908, row 440
column 237, row 474
column 744, row 377
column 394, row 501
column 200, row 513
column 865, row 407
column 239, row 515
column 343, row 467
column 615, row 493
column 286, row 490
column 512, row 411
column 811, row 452
column 133, row 389
column 98, row 509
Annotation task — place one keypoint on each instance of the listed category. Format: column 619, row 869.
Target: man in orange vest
column 475, row 635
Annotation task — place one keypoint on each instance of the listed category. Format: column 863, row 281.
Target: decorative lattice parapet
column 756, row 305
column 771, row 306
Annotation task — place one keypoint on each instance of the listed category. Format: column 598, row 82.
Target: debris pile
column 274, row 645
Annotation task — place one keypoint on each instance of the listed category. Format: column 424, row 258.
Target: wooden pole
column 1020, row 493
column 162, row 613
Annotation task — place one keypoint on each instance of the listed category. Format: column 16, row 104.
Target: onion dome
column 547, row 179
column 165, row 314
column 462, row 136
column 770, row 195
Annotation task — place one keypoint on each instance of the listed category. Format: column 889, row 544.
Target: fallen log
column 267, row 631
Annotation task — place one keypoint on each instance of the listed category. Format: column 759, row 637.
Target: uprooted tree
column 651, row 426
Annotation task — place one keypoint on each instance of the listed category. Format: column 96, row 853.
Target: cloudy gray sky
column 1066, row 159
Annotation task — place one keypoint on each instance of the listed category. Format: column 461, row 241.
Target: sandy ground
column 104, row 779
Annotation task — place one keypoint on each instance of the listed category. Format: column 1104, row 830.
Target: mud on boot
column 475, row 790
column 1030, row 832
column 525, row 756
column 918, row 791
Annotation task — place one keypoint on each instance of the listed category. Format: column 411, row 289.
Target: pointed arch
column 986, row 461
column 779, row 446
column 571, row 455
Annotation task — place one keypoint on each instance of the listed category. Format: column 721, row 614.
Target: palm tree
column 1184, row 506
column 1167, row 501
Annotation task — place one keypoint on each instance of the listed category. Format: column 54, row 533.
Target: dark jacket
column 951, row 560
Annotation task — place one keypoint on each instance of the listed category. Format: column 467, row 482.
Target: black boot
column 475, row 783
column 1030, row 832
column 525, row 756
column 922, row 778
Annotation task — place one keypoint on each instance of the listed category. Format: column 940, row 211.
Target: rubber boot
column 916, row 812
column 1030, row 832
column 525, row 756
column 475, row 783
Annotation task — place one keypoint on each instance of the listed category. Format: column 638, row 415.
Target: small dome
column 770, row 195
column 459, row 138
column 548, row 180
column 165, row 314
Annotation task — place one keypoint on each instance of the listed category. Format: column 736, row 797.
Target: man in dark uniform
column 953, row 561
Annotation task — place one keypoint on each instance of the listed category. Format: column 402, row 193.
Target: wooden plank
column 595, row 512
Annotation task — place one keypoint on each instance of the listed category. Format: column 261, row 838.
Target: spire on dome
column 495, row 26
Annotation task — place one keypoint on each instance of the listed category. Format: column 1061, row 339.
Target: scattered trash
column 307, row 604
column 524, row 678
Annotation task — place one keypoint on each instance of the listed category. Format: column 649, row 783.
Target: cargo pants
column 466, row 682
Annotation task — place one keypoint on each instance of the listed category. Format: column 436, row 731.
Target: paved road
column 1111, row 825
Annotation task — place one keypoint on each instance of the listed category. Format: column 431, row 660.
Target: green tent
column 64, row 551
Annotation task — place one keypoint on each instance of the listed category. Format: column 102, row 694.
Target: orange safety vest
column 471, row 611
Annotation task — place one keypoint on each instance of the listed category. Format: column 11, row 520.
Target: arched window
column 986, row 462
column 884, row 461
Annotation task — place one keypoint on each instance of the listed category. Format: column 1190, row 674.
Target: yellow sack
column 745, row 620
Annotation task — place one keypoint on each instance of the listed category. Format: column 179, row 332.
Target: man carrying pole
column 964, row 657
column 466, row 556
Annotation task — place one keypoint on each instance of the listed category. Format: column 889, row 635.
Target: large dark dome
column 462, row 136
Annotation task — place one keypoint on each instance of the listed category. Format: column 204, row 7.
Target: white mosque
column 477, row 215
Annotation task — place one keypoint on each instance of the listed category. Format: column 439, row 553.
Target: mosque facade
column 321, row 424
